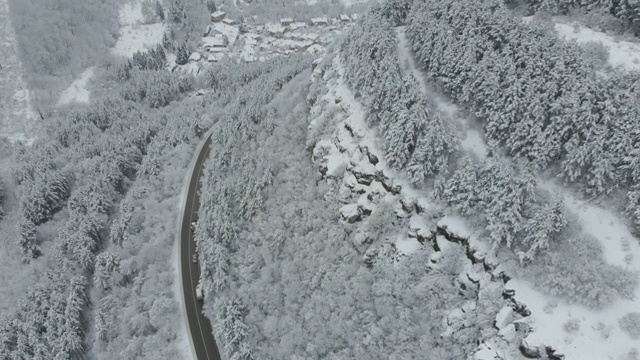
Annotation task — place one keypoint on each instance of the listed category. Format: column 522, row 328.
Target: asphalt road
column 204, row 345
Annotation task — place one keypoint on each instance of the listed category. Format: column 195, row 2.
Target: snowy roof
column 218, row 14
column 195, row 56
column 228, row 21
column 319, row 20
column 286, row 21
column 313, row 37
column 217, row 40
column 344, row 17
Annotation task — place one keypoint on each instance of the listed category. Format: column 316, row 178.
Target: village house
column 276, row 31
column 313, row 37
column 228, row 21
column 345, row 18
column 286, row 21
column 319, row 21
column 217, row 40
column 218, row 16
column 304, row 45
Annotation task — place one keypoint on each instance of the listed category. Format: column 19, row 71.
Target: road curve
column 203, row 344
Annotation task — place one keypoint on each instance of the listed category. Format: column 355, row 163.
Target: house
column 276, row 31
column 354, row 17
column 313, row 37
column 218, row 16
column 319, row 21
column 297, row 25
column 195, row 57
column 345, row 18
column 251, row 42
column 217, row 40
column 286, row 21
column 303, row 45
column 253, row 36
column 228, row 21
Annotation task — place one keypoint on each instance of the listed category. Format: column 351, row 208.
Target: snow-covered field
column 599, row 335
column 134, row 35
column 77, row 91
column 621, row 53
column 17, row 119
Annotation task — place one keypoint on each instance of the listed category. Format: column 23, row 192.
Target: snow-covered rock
column 504, row 317
column 529, row 351
column 351, row 213
column 487, row 351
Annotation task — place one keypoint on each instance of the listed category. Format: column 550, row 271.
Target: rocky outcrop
column 351, row 213
column 529, row 351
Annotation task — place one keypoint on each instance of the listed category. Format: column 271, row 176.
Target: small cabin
column 218, row 16
column 345, row 18
column 228, row 21
column 319, row 21
column 286, row 21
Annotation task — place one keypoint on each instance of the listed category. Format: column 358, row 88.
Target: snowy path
column 17, row 120
column 599, row 335
column 472, row 140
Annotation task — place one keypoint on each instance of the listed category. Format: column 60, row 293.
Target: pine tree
column 159, row 11
column 27, row 239
column 182, row 54
column 211, row 6
column 546, row 222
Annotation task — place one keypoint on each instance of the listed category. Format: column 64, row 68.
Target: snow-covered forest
column 450, row 180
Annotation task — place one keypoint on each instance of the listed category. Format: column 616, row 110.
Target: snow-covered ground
column 17, row 118
column 598, row 335
column 77, row 91
column 134, row 35
column 621, row 53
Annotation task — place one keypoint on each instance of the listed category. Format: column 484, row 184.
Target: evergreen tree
column 546, row 222
column 182, row 54
column 159, row 10
column 27, row 239
column 211, row 6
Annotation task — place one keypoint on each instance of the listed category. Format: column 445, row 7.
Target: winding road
column 203, row 344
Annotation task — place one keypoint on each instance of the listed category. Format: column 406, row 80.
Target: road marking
column 195, row 300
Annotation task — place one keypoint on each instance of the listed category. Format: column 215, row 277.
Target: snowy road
column 201, row 337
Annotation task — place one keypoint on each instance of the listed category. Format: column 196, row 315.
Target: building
column 276, row 31
column 228, row 21
column 313, row 37
column 286, row 21
column 297, row 25
column 345, row 18
column 217, row 40
column 319, row 21
column 304, row 45
column 218, row 16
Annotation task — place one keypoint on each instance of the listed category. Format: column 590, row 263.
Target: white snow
column 78, row 91
column 407, row 245
column 621, row 53
column 17, row 117
column 599, row 335
column 135, row 36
